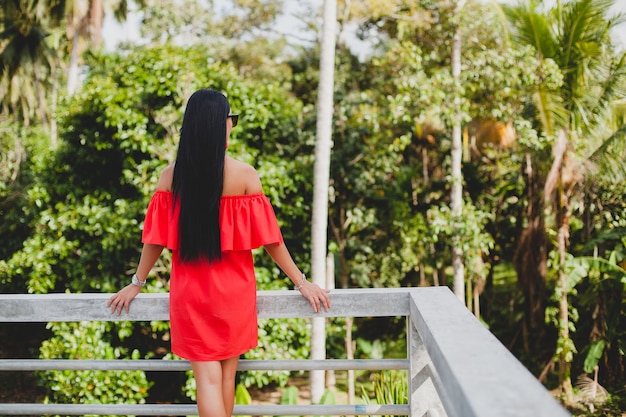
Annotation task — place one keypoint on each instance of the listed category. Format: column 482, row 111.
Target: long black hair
column 199, row 174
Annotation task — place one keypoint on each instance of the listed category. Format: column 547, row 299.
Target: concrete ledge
column 369, row 302
column 480, row 376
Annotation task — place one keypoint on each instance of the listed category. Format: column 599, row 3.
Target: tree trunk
column 456, row 195
column 54, row 98
column 320, row 185
column 331, row 381
column 96, row 20
column 557, row 192
column 41, row 97
column 564, row 349
column 72, row 70
column 530, row 260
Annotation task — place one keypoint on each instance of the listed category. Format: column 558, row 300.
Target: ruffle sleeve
column 161, row 223
column 248, row 222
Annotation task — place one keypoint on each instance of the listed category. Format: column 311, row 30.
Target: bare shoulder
column 165, row 181
column 241, row 178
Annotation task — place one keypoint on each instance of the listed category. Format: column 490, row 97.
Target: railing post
column 423, row 397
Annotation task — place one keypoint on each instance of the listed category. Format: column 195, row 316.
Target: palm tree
column 575, row 35
column 84, row 29
column 27, row 58
column 84, row 21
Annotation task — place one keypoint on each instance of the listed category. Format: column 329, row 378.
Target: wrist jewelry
column 136, row 281
column 299, row 287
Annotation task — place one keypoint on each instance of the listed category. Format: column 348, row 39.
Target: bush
column 85, row 341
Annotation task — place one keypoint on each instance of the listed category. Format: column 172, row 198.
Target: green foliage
column 594, row 354
column 22, row 152
column 86, row 340
column 289, row 396
column 389, row 387
column 391, row 346
column 374, row 349
column 242, row 396
column 328, row 398
column 468, row 232
column 596, row 288
column 282, row 339
column 190, row 387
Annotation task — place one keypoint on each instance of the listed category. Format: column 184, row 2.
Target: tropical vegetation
column 540, row 100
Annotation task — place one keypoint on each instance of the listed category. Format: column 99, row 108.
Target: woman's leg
column 229, row 370
column 215, row 384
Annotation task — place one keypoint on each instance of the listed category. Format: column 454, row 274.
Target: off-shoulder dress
column 213, row 305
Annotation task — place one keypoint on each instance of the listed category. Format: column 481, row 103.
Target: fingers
column 117, row 304
column 318, row 299
column 326, row 300
column 112, row 303
column 115, row 307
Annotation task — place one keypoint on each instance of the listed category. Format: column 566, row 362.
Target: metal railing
column 456, row 367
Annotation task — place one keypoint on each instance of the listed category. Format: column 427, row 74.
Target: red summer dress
column 213, row 305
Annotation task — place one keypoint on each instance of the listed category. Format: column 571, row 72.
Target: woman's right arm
column 318, row 297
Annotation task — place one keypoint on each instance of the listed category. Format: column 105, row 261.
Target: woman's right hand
column 121, row 300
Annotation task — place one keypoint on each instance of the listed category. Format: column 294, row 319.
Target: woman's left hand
column 121, row 300
column 318, row 297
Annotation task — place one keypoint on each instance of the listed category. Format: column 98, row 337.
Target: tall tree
column 456, row 193
column 323, row 145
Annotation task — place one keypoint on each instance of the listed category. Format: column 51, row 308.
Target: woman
column 210, row 211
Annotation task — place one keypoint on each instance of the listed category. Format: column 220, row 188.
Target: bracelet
column 136, row 281
column 299, row 287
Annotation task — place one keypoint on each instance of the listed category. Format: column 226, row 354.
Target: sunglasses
column 235, row 118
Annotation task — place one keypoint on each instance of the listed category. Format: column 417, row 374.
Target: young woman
column 210, row 211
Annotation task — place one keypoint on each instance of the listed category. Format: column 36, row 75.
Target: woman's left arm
column 121, row 300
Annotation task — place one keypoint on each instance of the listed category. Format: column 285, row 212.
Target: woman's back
column 239, row 178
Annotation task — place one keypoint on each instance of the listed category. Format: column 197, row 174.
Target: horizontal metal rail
column 192, row 409
column 182, row 365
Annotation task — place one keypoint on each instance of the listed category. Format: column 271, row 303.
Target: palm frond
column 532, row 27
column 583, row 36
column 610, row 157
column 593, row 267
column 606, row 238
column 590, row 390
column 549, row 110
column 613, row 84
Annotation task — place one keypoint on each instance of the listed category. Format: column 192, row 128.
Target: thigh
column 207, row 372
column 229, row 366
